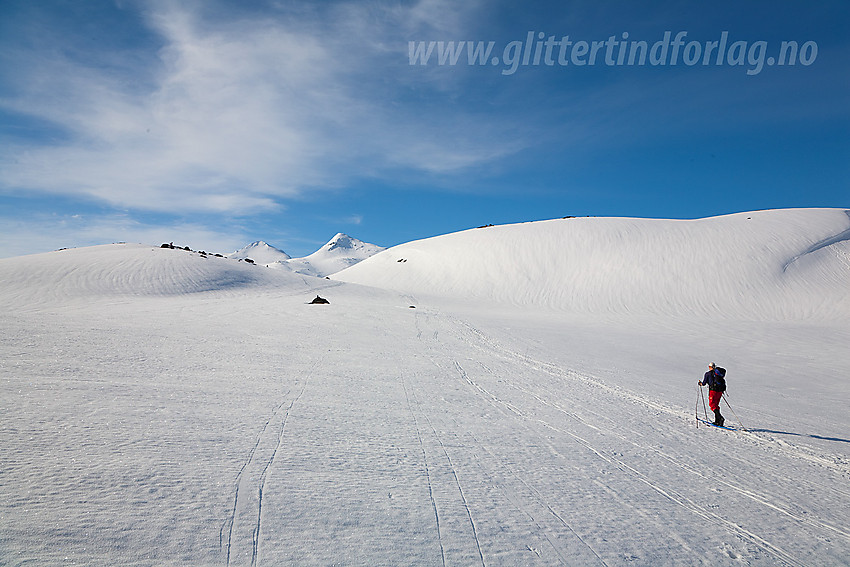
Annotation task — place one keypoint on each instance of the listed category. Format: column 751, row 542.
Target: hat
column 712, row 365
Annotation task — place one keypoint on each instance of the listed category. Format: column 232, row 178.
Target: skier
column 716, row 385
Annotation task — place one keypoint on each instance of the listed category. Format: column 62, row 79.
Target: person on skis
column 716, row 383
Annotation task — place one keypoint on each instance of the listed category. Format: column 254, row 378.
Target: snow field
column 154, row 417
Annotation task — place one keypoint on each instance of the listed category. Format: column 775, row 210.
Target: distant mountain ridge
column 342, row 251
column 789, row 264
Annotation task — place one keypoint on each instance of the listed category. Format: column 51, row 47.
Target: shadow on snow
column 809, row 435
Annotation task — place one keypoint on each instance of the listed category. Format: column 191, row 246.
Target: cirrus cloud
column 236, row 112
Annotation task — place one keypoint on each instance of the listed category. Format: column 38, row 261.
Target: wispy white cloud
column 239, row 113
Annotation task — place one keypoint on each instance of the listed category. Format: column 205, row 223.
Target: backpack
column 719, row 379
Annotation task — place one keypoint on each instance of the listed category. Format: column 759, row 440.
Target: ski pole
column 704, row 410
column 733, row 412
column 696, row 406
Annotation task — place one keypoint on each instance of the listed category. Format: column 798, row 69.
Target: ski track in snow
column 228, row 524
column 253, row 474
column 256, row 533
column 486, row 345
column 427, row 470
column 536, row 494
column 817, row 527
column 457, row 482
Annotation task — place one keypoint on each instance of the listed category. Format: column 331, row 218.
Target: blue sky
column 213, row 124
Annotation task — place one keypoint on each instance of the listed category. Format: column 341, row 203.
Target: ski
column 728, row 428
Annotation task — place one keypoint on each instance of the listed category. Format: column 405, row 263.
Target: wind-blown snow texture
column 163, row 408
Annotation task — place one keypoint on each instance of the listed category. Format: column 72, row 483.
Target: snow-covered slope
column 116, row 270
column 765, row 264
column 261, row 253
column 341, row 251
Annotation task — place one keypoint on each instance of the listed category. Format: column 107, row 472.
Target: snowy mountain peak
column 261, row 252
column 341, row 251
column 342, row 244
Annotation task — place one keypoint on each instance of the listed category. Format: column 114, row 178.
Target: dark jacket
column 714, row 380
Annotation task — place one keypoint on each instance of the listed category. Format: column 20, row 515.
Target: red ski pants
column 714, row 399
